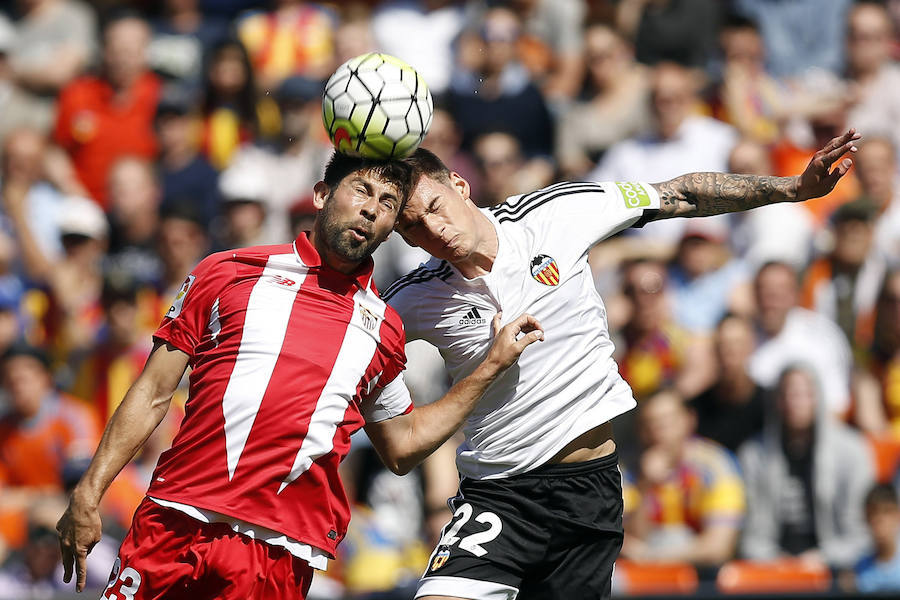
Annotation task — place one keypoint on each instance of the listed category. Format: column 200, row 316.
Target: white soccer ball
column 377, row 106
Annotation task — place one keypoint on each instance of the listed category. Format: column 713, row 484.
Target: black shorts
column 552, row 533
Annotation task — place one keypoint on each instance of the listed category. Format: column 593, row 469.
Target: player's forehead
column 424, row 193
column 374, row 178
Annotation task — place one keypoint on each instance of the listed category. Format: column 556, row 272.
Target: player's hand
column 819, row 178
column 79, row 530
column 511, row 339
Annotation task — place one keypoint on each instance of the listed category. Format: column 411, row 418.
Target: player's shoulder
column 413, row 284
column 527, row 207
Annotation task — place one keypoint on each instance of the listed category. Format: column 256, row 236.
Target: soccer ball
column 377, row 106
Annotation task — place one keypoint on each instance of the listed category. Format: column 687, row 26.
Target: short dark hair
column 425, row 162
column 395, row 171
column 882, row 493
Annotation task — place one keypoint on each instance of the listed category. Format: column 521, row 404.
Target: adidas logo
column 473, row 317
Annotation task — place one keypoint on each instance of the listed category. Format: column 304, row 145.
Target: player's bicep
column 162, row 373
column 389, row 419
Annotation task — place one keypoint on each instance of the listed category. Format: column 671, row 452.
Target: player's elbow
column 402, row 464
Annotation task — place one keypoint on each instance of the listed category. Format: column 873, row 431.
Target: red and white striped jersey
column 289, row 358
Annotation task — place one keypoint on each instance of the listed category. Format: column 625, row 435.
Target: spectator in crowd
column 117, row 355
column 17, row 107
column 801, row 36
column 55, row 42
column 36, row 570
column 785, row 331
column 245, row 191
column 681, row 141
column 182, row 35
column 552, row 47
column 24, row 186
column 843, row 285
column 445, row 140
column 388, row 530
column 776, row 232
column 233, row 114
column 296, row 38
column 880, row 571
column 354, row 36
column 691, row 498
column 806, row 475
column 795, row 149
column 294, row 160
column 134, row 198
column 504, row 170
column 615, row 106
column 878, row 411
column 422, row 33
column 656, row 352
column 731, row 410
column 876, row 168
column 751, row 99
column 185, row 174
column 46, row 437
column 73, row 282
column 873, row 74
column 683, row 31
column 706, row 281
column 182, row 242
column 497, row 91
column 103, row 117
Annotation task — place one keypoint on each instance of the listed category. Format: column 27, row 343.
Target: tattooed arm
column 705, row 194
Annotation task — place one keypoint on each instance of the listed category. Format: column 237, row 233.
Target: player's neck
column 481, row 260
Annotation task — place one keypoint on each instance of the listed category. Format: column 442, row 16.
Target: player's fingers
column 839, row 171
column 840, row 140
column 67, row 560
column 495, row 323
column 830, row 157
column 80, row 569
column 528, row 339
column 525, row 323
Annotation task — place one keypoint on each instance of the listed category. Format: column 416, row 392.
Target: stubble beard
column 338, row 238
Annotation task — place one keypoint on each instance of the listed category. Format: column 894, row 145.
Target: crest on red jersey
column 368, row 318
column 544, row 270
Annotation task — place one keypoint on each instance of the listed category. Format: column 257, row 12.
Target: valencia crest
column 544, row 270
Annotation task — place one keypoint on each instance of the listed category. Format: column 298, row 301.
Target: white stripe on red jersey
column 283, row 351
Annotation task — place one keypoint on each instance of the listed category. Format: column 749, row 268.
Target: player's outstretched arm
column 140, row 412
column 405, row 441
column 705, row 194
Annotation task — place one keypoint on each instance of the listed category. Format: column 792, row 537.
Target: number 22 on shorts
column 472, row 543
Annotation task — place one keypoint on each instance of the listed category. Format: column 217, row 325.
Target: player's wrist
column 84, row 497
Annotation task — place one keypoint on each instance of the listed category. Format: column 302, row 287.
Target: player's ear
column 320, row 194
column 460, row 185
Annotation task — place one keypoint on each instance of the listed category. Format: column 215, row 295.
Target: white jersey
column 563, row 386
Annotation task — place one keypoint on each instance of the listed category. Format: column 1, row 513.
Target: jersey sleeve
column 577, row 215
column 389, row 401
column 188, row 317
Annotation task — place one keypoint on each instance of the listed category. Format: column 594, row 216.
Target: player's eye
column 388, row 203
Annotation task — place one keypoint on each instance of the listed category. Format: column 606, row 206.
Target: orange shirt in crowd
column 34, row 451
column 791, row 160
column 96, row 128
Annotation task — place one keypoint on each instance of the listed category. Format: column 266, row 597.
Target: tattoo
column 705, row 194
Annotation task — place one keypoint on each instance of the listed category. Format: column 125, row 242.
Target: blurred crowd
column 763, row 348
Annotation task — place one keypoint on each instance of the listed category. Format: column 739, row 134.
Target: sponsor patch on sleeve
column 175, row 309
column 634, row 194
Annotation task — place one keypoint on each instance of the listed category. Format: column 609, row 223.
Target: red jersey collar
column 309, row 256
